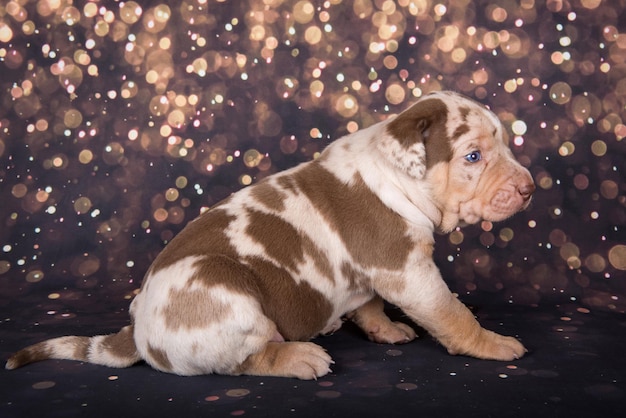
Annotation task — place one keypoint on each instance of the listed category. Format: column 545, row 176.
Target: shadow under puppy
column 244, row 287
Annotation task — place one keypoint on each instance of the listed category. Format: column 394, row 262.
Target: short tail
column 114, row 350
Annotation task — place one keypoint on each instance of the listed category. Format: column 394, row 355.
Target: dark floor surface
column 575, row 368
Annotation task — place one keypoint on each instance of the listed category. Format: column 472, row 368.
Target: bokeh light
column 121, row 121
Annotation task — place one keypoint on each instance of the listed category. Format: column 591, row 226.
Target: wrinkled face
column 465, row 159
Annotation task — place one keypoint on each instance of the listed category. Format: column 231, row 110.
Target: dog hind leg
column 372, row 319
column 303, row 360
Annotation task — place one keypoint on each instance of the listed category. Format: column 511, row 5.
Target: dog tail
column 114, row 350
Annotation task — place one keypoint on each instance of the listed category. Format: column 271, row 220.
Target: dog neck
column 411, row 199
column 408, row 197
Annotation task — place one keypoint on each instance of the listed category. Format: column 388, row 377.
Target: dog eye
column 474, row 157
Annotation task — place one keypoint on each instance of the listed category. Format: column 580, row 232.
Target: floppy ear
column 417, row 138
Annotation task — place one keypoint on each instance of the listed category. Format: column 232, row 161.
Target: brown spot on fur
column 285, row 244
column 396, row 283
column 81, row 347
column 299, row 311
column 288, row 184
column 319, row 258
column 218, row 269
column 159, row 359
column 356, row 279
column 269, row 196
column 465, row 111
column 205, row 235
column 190, row 309
column 460, row 130
column 281, row 240
column 121, row 344
column 374, row 234
column 424, row 122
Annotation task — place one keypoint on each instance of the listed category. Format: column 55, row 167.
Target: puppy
column 244, row 287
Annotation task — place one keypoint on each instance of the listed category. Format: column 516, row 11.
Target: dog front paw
column 392, row 333
column 492, row 346
column 506, row 349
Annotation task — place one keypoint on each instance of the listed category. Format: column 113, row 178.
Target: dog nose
column 526, row 190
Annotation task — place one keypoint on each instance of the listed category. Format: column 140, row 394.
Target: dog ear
column 417, row 138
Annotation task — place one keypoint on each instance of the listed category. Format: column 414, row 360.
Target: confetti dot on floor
column 237, row 393
column 406, row 386
column 44, row 385
column 328, row 394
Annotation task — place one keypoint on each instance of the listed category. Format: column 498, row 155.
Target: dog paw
column 392, row 333
column 492, row 346
column 307, row 361
column 302, row 360
column 507, row 349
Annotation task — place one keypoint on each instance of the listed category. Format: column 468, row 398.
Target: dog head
column 457, row 146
